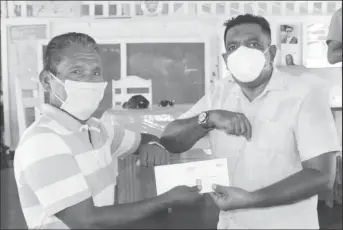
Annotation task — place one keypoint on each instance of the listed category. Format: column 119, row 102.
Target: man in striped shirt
column 66, row 162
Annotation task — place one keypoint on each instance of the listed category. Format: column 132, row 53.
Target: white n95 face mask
column 83, row 98
column 246, row 64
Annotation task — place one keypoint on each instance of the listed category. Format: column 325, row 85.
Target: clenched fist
column 231, row 122
column 151, row 155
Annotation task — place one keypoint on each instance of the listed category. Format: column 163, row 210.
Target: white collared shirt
column 291, row 123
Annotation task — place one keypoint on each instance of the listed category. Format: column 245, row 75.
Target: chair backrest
column 28, row 102
column 124, row 89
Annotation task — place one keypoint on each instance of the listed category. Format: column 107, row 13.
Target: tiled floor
column 202, row 216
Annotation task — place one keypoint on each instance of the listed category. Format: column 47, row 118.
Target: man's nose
column 98, row 79
column 94, row 78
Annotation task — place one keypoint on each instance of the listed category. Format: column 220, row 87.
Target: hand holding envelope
column 232, row 198
column 207, row 172
column 211, row 176
column 183, row 195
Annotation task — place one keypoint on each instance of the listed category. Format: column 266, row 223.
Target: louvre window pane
column 112, row 10
column 84, row 10
column 98, row 10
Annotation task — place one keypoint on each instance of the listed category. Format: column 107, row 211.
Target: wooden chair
column 24, row 103
column 124, row 89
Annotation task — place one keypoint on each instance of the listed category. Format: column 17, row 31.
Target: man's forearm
column 146, row 138
column 180, row 135
column 300, row 186
column 117, row 215
column 334, row 52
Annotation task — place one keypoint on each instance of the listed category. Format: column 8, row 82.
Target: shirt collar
column 276, row 83
column 66, row 120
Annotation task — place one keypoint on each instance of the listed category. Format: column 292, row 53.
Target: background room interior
column 164, row 50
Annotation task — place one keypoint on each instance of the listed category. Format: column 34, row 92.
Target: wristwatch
column 203, row 119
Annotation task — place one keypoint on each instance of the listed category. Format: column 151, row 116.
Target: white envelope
column 209, row 172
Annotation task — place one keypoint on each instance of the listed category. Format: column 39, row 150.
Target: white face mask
column 83, row 98
column 246, row 64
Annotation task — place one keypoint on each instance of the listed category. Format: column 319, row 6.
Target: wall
column 147, row 28
column 24, row 64
column 332, row 76
column 275, row 22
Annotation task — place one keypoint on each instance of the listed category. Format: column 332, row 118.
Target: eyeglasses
column 165, row 103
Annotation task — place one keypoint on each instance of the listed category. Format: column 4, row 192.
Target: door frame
column 6, row 24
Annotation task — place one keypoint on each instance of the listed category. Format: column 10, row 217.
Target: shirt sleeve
column 204, row 104
column 211, row 100
column 123, row 142
column 52, row 173
column 315, row 130
column 201, row 106
column 335, row 29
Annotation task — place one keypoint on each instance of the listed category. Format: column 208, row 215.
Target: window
column 177, row 70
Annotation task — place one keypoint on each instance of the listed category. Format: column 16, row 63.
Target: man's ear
column 272, row 52
column 224, row 56
column 45, row 80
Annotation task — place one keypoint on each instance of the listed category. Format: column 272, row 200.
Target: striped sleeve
column 124, row 142
column 52, row 173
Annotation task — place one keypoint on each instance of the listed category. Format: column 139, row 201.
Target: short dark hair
column 248, row 19
column 52, row 55
column 288, row 27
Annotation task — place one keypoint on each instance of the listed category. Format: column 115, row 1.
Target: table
column 137, row 183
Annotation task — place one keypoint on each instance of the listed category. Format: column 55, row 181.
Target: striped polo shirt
column 60, row 162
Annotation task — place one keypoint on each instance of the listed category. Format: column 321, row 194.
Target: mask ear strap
column 269, row 62
column 58, row 97
column 56, row 78
column 59, row 81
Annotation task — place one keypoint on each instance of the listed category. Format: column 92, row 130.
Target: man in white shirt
column 276, row 131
